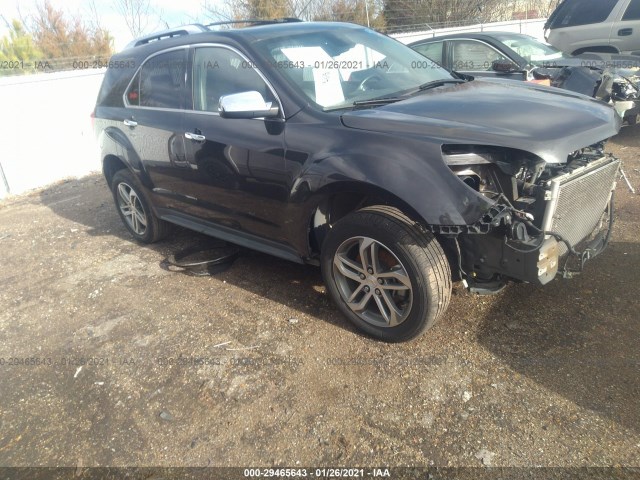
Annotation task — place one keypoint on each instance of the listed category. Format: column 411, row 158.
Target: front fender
column 416, row 175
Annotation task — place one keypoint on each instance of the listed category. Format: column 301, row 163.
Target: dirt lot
column 256, row 367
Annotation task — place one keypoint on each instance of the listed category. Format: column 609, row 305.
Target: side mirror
column 504, row 66
column 246, row 105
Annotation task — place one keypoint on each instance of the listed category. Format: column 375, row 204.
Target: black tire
column 416, row 256
column 149, row 229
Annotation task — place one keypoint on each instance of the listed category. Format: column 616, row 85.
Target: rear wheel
column 390, row 278
column 134, row 208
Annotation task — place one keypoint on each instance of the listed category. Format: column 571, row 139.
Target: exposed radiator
column 577, row 200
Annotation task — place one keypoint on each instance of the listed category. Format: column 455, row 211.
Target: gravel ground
column 129, row 364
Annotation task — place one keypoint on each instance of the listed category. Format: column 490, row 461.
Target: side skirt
column 230, row 235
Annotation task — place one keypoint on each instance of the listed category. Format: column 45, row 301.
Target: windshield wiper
column 439, row 83
column 377, row 101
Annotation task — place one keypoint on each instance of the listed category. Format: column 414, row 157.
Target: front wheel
column 390, row 278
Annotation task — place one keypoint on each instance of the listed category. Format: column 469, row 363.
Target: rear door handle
column 625, row 32
column 194, row 136
column 130, row 123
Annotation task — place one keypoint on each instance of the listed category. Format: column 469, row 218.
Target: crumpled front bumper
column 577, row 222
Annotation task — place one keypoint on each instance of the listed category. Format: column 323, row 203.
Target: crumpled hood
column 548, row 122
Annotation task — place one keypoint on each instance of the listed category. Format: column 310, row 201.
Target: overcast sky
column 174, row 12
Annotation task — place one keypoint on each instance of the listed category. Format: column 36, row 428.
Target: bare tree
column 139, row 16
column 268, row 9
column 548, row 6
column 364, row 12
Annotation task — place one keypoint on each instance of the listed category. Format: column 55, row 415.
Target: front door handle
column 625, row 32
column 130, row 123
column 194, row 136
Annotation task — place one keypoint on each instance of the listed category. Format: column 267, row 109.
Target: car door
column 154, row 123
column 237, row 173
column 475, row 57
column 625, row 34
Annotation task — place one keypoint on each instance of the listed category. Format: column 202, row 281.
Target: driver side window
column 473, row 55
column 219, row 71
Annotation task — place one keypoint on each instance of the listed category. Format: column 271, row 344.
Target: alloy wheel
column 372, row 282
column 131, row 208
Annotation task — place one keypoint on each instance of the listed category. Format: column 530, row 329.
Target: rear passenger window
column 633, row 11
column 161, row 82
column 582, row 12
column 431, row 50
column 220, row 71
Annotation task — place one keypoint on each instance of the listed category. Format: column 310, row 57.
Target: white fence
column 45, row 126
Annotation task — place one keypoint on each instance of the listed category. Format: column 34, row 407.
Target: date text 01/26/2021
column 324, row 472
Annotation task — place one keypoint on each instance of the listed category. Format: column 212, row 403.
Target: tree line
column 49, row 39
column 386, row 15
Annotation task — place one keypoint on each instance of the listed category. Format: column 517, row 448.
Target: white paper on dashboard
column 326, row 79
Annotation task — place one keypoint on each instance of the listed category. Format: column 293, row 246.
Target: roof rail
column 171, row 33
column 197, row 28
column 255, row 22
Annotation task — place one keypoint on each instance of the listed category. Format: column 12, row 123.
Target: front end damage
column 547, row 218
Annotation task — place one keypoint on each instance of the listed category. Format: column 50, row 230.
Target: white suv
column 578, row 26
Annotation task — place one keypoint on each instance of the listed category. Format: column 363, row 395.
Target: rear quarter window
column 114, row 82
column 572, row 13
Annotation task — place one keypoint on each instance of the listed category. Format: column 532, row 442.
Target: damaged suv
column 321, row 143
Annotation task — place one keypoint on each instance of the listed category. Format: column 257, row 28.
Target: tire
column 134, row 208
column 411, row 273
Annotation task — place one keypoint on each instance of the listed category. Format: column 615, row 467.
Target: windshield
column 335, row 67
column 534, row 51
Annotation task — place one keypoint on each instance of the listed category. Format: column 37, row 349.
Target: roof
column 473, row 35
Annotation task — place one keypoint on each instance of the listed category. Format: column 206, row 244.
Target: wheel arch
column 110, row 165
column 339, row 199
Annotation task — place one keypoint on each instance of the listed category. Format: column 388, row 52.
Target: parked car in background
column 612, row 79
column 321, row 143
column 611, row 26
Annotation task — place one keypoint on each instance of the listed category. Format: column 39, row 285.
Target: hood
column 548, row 122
